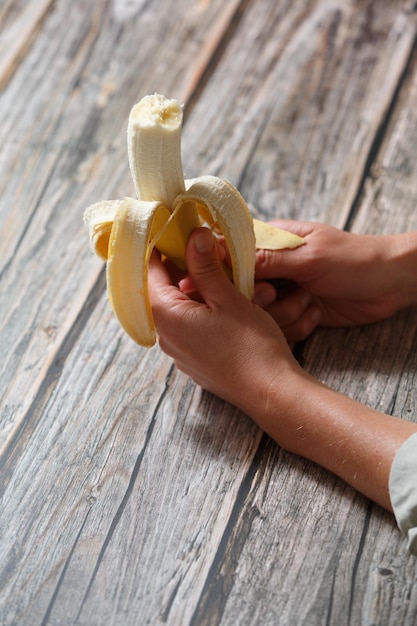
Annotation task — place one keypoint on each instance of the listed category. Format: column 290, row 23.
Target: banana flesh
column 165, row 213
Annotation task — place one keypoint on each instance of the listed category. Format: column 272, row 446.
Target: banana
column 167, row 209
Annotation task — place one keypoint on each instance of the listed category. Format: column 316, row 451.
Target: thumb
column 284, row 264
column 204, row 267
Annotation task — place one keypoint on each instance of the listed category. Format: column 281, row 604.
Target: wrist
column 404, row 260
column 398, row 268
column 283, row 413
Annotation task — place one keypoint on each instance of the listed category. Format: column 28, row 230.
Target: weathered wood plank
column 90, row 83
column 282, row 127
column 282, row 544
column 18, row 32
column 339, row 580
column 388, row 202
column 69, row 151
column 387, row 205
column 124, row 482
column 39, row 420
column 135, row 493
column 360, row 576
column 363, row 577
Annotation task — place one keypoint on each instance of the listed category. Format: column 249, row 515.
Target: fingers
column 158, row 274
column 206, row 282
column 180, row 312
column 300, row 264
column 265, row 294
column 297, row 314
column 164, row 295
column 295, row 311
column 304, row 326
column 294, row 226
column 289, row 264
column 177, row 275
column 204, row 266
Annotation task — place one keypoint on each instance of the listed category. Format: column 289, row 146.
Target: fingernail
column 204, row 241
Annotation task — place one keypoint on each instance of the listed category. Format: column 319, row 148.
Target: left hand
column 226, row 343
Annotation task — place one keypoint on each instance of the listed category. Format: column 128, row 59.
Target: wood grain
column 74, row 154
column 129, row 495
column 19, row 32
column 294, row 142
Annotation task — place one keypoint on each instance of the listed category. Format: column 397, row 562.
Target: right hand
column 339, row 278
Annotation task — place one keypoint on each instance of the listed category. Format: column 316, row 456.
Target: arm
column 233, row 348
column 342, row 278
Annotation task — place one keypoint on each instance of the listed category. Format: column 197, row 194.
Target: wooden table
column 131, row 496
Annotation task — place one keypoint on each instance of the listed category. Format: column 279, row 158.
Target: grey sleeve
column 403, row 490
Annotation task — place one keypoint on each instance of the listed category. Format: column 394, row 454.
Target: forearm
column 353, row 441
column 235, row 349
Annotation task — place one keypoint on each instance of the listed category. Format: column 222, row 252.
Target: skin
column 237, row 350
column 341, row 278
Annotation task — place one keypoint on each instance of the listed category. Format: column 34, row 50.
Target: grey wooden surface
column 129, row 495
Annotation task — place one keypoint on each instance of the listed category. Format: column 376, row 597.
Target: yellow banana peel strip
column 124, row 232
column 269, row 237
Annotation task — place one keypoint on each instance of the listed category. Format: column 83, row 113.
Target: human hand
column 233, row 348
column 338, row 278
column 226, row 343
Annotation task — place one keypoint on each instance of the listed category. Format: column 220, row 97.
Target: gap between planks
column 380, row 134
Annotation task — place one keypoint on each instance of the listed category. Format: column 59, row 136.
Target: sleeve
column 403, row 490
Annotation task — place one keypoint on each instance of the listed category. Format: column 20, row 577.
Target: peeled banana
column 168, row 208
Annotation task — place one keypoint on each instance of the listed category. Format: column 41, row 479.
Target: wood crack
column 331, row 599
column 358, row 557
column 35, row 411
column 219, row 581
column 379, row 137
column 133, row 477
column 213, row 52
column 51, row 604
